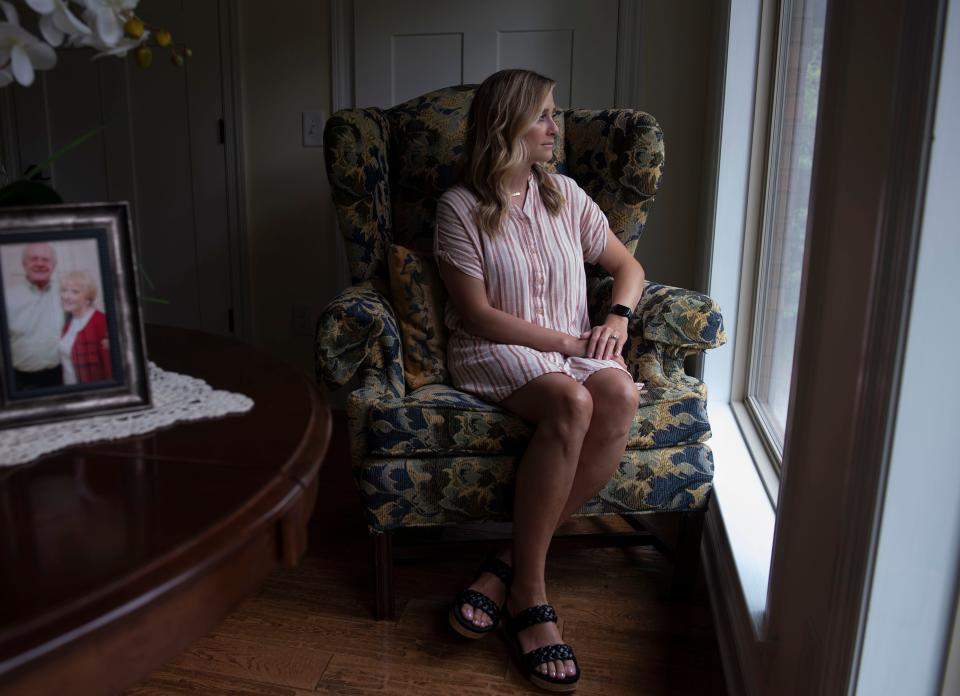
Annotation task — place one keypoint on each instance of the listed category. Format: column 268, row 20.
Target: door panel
column 420, row 61
column 547, row 52
column 406, row 49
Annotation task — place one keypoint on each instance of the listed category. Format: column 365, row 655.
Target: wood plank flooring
column 310, row 630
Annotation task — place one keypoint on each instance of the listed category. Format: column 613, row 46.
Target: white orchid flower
column 107, row 17
column 21, row 53
column 56, row 20
column 120, row 49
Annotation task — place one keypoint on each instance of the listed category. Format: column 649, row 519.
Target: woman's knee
column 616, row 404
column 570, row 411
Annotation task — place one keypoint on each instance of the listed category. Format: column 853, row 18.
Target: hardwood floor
column 310, row 630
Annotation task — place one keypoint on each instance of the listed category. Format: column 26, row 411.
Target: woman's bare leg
column 615, row 401
column 561, row 410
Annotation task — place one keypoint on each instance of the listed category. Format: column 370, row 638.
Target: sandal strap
column 548, row 653
column 531, row 616
column 480, row 601
column 495, row 566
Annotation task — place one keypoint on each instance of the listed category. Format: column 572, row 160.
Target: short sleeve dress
column 533, row 270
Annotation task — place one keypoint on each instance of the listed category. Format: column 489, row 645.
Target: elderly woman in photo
column 511, row 244
column 84, row 346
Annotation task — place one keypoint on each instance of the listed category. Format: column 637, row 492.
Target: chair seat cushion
column 414, row 492
column 439, row 418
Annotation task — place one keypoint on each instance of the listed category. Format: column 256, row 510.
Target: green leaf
column 72, row 145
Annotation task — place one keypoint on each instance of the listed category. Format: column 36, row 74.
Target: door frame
column 234, row 159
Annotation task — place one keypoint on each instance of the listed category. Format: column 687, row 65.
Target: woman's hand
column 571, row 346
column 577, row 347
column 605, row 342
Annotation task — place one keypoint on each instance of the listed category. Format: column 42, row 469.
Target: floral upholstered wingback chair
column 425, row 454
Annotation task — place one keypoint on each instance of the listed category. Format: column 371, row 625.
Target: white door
column 404, row 49
column 160, row 149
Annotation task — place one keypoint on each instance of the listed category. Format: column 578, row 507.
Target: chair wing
column 355, row 146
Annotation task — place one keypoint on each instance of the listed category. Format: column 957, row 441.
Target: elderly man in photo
column 36, row 321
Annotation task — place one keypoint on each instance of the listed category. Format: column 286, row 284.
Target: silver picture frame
column 103, row 366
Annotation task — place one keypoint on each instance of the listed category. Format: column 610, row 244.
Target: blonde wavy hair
column 504, row 108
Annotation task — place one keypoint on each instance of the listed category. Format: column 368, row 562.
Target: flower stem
column 72, row 145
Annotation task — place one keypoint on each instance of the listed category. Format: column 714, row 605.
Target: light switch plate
column 313, row 128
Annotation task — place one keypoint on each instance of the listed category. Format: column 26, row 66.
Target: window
column 793, row 111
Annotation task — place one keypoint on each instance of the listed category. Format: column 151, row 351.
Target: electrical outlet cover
column 313, row 128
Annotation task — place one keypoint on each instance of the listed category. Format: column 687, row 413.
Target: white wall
column 285, row 66
column 675, row 45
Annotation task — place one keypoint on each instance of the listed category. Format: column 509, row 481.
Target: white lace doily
column 176, row 398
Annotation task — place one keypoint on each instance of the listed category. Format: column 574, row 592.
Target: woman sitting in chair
column 511, row 244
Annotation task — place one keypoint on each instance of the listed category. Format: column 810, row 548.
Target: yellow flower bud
column 143, row 56
column 164, row 38
column 188, row 52
column 176, row 59
column 133, row 28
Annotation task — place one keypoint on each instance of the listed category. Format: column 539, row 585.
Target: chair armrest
column 355, row 152
column 678, row 321
column 682, row 321
column 357, row 331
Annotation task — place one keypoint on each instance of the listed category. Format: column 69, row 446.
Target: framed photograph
column 71, row 332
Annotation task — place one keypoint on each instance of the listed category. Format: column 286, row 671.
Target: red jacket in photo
column 91, row 353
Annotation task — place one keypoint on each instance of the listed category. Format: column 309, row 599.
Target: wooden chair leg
column 383, row 574
column 687, row 556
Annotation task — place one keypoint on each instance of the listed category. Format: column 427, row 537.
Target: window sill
column 743, row 510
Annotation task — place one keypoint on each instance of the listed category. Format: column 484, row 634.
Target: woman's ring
column 615, row 337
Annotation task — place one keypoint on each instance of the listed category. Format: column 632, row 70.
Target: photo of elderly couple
column 56, row 315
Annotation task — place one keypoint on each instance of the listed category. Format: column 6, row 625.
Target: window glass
column 793, row 128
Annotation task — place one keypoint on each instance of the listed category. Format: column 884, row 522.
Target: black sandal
column 542, row 613
column 478, row 600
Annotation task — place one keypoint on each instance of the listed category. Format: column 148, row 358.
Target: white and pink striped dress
column 534, row 270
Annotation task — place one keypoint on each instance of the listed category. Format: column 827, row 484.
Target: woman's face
column 72, row 298
column 540, row 139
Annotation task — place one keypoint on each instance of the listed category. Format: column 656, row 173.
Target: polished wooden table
column 114, row 557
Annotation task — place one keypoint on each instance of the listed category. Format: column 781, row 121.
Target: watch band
column 621, row 311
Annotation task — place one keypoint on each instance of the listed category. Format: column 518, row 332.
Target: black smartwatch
column 621, row 311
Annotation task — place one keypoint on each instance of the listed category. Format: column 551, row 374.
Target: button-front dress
column 532, row 269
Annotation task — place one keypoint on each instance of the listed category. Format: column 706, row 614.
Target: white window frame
column 746, row 486
column 765, row 450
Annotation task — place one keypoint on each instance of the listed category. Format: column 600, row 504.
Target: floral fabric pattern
column 358, row 330
column 679, row 320
column 440, row 418
column 617, row 157
column 403, row 492
column 419, row 298
column 355, row 150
